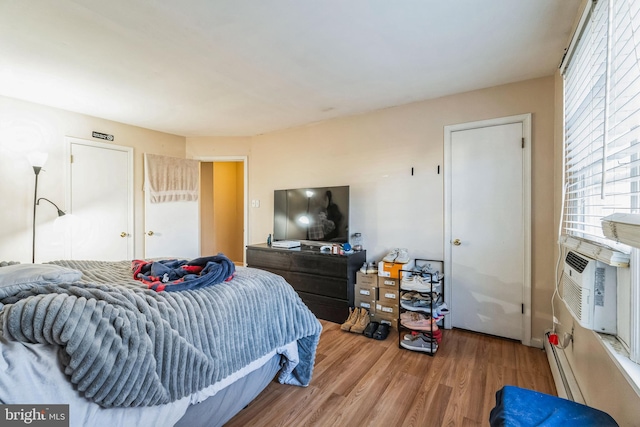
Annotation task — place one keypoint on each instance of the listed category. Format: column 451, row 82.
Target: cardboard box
column 391, row 310
column 388, row 296
column 365, row 302
column 369, row 292
column 388, row 283
column 366, row 279
column 392, row 269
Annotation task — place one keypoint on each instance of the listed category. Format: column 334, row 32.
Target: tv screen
column 316, row 214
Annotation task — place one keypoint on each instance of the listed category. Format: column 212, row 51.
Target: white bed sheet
column 32, row 374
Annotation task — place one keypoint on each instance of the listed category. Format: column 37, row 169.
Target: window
column 602, row 133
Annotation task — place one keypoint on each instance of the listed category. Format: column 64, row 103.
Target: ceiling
column 246, row 67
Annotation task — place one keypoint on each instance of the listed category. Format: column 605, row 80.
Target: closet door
column 172, row 229
column 487, row 230
column 101, row 196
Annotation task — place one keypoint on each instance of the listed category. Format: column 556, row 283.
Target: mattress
column 39, row 367
column 33, row 374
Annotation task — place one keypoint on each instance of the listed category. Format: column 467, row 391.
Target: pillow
column 14, row 278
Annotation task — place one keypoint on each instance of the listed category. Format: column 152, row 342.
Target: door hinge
column 523, row 142
column 71, row 158
column 522, row 308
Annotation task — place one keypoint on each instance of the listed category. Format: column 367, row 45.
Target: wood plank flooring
column 358, row 381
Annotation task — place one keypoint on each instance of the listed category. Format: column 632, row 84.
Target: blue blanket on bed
column 125, row 345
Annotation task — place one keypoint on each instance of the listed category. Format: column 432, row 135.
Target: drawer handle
column 390, row 296
column 363, row 292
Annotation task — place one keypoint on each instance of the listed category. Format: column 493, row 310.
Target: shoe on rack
column 417, row 303
column 361, row 324
column 414, row 334
column 391, row 256
column 407, row 281
column 416, row 283
column 403, row 256
column 419, row 343
column 351, row 320
column 371, row 329
column 408, row 296
column 413, row 316
column 443, row 309
column 420, row 325
column 382, row 332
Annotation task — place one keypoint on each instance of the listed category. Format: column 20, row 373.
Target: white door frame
column 525, row 119
column 245, row 166
column 130, row 197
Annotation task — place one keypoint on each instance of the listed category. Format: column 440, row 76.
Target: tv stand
column 324, row 281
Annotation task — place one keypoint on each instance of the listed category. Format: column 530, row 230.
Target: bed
column 86, row 334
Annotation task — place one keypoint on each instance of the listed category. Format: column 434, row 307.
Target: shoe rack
column 422, row 307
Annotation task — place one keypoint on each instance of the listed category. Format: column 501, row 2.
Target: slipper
column 371, row 328
column 382, row 332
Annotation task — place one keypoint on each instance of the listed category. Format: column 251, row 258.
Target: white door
column 101, row 188
column 172, row 229
column 487, row 230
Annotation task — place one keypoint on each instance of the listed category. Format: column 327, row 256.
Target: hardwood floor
column 358, row 381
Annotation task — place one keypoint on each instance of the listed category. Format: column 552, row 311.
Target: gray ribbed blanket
column 125, row 345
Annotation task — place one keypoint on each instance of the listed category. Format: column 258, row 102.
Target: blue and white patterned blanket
column 125, row 345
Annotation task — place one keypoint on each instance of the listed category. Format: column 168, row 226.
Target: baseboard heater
column 566, row 384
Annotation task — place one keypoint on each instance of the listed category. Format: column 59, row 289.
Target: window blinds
column 602, row 120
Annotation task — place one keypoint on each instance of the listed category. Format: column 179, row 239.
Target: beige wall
column 601, row 382
column 26, row 127
column 374, row 153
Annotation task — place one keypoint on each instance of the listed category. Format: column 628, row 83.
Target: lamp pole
column 36, row 169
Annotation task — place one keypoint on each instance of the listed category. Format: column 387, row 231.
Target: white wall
column 26, row 127
column 374, row 153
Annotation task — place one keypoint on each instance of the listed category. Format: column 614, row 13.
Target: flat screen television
column 318, row 214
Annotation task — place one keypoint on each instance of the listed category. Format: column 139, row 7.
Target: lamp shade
column 37, row 158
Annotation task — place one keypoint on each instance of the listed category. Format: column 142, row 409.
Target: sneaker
column 403, row 256
column 415, row 334
column 391, row 256
column 443, row 309
column 417, row 303
column 372, row 268
column 419, row 343
column 408, row 296
column 420, row 325
column 417, row 283
column 413, row 316
column 407, row 281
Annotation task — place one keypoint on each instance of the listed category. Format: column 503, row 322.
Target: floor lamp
column 37, row 160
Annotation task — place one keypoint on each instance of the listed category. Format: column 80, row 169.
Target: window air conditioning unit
column 589, row 291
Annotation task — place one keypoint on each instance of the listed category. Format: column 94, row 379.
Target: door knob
column 123, row 234
column 149, row 233
column 457, row 242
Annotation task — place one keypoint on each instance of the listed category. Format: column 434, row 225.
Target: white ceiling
column 245, row 67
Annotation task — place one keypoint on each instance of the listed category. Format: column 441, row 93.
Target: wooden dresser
column 324, row 281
